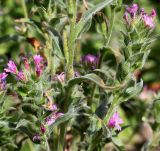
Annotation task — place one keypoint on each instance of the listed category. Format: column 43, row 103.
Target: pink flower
column 132, row 10
column 58, row 114
column 153, row 13
column 61, row 77
column 51, row 119
column 21, row 76
column 148, row 19
column 37, row 59
column 38, row 64
column 115, row 121
column 90, row 60
column 50, row 107
column 43, row 129
column 125, row 17
column 26, row 63
column 36, row 138
column 12, row 68
column 3, row 77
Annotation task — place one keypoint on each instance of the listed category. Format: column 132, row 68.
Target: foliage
column 77, row 69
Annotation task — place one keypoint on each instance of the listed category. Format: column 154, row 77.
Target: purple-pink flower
column 132, row 10
column 43, row 129
column 148, row 19
column 26, row 63
column 115, row 121
column 38, row 61
column 3, row 77
column 21, row 76
column 36, row 138
column 61, row 77
column 12, row 68
column 51, row 119
column 90, row 60
column 50, row 107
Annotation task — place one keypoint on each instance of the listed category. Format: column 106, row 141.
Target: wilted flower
column 38, row 64
column 49, row 106
column 115, row 121
column 26, row 63
column 3, row 77
column 21, row 76
column 76, row 74
column 61, row 77
column 36, row 138
column 90, row 60
column 43, row 129
column 58, row 114
column 126, row 18
column 51, row 119
column 12, row 68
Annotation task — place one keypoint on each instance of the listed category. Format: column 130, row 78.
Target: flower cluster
column 3, row 77
column 49, row 120
column 90, row 60
column 55, row 114
column 62, row 77
column 12, row 68
column 38, row 61
column 132, row 13
column 115, row 121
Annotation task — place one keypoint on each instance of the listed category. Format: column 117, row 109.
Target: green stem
column 61, row 142
column 47, row 145
column 63, row 127
column 70, row 70
column 49, row 5
column 90, row 148
column 112, row 18
column 111, row 27
column 110, row 110
column 65, row 46
column 24, row 9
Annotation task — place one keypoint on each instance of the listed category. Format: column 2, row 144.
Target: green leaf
column 135, row 89
column 88, row 15
column 117, row 142
column 89, row 77
column 156, row 111
column 30, row 109
column 102, row 109
column 131, row 91
column 7, row 38
column 56, row 43
column 22, row 122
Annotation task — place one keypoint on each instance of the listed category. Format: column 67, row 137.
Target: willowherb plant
column 64, row 99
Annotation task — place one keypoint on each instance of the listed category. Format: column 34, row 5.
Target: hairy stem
column 110, row 110
column 109, row 36
column 24, row 9
column 46, row 141
column 73, row 13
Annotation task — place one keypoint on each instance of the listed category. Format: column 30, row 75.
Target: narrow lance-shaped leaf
column 90, row 77
column 88, row 15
